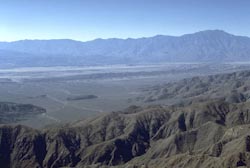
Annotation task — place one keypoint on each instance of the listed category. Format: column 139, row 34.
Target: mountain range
column 213, row 132
column 203, row 46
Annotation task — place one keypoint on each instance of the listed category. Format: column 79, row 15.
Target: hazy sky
column 89, row 19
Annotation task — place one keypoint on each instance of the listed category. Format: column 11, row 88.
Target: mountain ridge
column 129, row 38
column 209, row 133
column 203, row 46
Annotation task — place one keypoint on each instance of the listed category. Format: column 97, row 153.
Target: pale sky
column 90, row 19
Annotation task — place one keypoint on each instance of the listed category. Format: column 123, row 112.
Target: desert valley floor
column 73, row 93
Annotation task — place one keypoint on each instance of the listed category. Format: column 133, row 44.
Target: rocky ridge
column 213, row 132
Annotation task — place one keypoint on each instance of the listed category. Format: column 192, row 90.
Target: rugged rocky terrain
column 231, row 87
column 213, row 132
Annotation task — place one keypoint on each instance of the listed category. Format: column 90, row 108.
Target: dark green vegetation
column 208, row 126
column 83, row 97
column 12, row 112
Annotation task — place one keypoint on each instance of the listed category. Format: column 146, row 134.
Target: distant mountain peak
column 215, row 32
column 203, row 46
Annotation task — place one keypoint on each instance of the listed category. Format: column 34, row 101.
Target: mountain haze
column 204, row 46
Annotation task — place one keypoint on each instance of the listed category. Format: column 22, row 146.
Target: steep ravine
column 214, row 132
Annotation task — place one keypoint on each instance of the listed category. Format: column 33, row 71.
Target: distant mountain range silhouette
column 204, row 46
